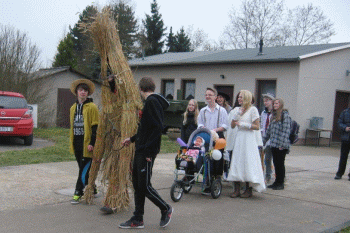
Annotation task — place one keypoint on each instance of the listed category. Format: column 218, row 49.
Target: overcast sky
column 46, row 22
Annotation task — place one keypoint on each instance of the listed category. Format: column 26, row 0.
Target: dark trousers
column 141, row 179
column 84, row 165
column 344, row 153
column 279, row 157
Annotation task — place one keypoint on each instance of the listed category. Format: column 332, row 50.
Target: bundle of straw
column 118, row 118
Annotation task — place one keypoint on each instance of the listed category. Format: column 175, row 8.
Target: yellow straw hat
column 90, row 84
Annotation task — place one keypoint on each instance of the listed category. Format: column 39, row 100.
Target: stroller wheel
column 216, row 188
column 176, row 191
column 187, row 188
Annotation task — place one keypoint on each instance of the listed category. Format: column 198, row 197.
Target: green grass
column 59, row 152
column 345, row 230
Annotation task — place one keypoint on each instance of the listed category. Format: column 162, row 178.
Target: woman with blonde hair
column 278, row 132
column 190, row 120
column 245, row 164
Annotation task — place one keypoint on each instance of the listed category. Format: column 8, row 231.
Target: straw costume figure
column 118, row 118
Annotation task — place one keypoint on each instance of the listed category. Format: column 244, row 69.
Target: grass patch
column 60, row 151
column 56, row 153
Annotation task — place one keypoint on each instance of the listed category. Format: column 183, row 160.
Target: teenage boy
column 147, row 145
column 213, row 117
column 266, row 117
column 83, row 127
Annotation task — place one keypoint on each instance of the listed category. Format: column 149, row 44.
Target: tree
column 19, row 58
column 171, row 42
column 267, row 20
column 155, row 30
column 127, row 27
column 182, row 41
column 257, row 19
column 308, row 25
column 65, row 53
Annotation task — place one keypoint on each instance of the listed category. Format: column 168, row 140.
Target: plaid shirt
column 278, row 132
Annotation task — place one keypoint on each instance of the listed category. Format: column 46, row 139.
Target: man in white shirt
column 213, row 116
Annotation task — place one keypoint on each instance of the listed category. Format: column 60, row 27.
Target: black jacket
column 148, row 137
column 189, row 127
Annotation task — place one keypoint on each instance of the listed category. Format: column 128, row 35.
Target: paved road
column 33, row 200
column 7, row 144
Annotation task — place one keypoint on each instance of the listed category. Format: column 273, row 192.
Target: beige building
column 55, row 82
column 313, row 80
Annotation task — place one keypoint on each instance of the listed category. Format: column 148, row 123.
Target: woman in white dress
column 245, row 164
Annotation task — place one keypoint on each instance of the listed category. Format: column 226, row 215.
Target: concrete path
column 35, row 198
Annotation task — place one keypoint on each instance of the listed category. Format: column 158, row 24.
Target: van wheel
column 28, row 140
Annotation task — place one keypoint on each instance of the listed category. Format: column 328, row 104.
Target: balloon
column 216, row 155
column 220, row 144
column 182, row 143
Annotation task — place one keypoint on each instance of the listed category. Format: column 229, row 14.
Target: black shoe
column 278, row 187
column 166, row 217
column 107, row 210
column 271, row 186
column 132, row 223
column 337, row 177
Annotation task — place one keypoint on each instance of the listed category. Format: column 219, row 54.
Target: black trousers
column 279, row 157
column 84, row 165
column 344, row 153
column 141, row 179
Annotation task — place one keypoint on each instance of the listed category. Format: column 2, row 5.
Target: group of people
column 84, row 122
column 245, row 131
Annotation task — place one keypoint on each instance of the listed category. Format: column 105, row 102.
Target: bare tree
column 308, row 25
column 267, row 20
column 19, row 59
column 257, row 19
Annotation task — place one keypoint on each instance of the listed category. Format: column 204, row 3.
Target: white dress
column 246, row 164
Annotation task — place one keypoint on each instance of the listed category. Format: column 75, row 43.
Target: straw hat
column 90, row 84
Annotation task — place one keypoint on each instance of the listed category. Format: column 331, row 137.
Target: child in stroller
column 196, row 157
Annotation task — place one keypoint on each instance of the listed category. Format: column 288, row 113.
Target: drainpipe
column 261, row 47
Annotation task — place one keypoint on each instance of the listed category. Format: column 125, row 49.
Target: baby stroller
column 209, row 165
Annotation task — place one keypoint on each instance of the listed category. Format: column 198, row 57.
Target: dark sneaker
column 132, row 223
column 75, row 200
column 166, row 217
column 337, row 177
column 278, row 187
column 107, row 210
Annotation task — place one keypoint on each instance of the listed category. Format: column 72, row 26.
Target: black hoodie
column 148, row 137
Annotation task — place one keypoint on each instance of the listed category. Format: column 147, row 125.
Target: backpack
column 294, row 131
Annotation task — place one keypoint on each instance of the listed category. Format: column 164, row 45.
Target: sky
column 46, row 22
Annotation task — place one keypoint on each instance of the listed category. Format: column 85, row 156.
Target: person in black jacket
column 147, row 144
column 344, row 126
column 190, row 120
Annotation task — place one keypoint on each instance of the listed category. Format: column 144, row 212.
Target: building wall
column 320, row 77
column 242, row 76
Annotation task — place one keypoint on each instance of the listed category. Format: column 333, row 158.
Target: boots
column 248, row 192
column 237, row 189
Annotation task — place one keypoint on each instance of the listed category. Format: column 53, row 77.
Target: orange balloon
column 220, row 144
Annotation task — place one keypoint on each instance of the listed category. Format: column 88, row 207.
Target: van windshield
column 8, row 102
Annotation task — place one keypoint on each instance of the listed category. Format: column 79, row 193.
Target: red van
column 15, row 117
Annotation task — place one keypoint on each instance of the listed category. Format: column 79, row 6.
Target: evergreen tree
column 182, row 41
column 171, row 42
column 155, row 30
column 65, row 53
column 127, row 27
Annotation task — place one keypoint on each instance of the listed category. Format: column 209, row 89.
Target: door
column 65, row 99
column 341, row 103
column 227, row 89
column 263, row 87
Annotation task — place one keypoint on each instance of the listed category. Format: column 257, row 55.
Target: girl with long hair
column 278, row 132
column 245, row 164
column 189, row 123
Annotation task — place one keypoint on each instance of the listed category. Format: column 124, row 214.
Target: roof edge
column 324, row 51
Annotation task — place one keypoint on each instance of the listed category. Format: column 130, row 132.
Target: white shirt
column 209, row 119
